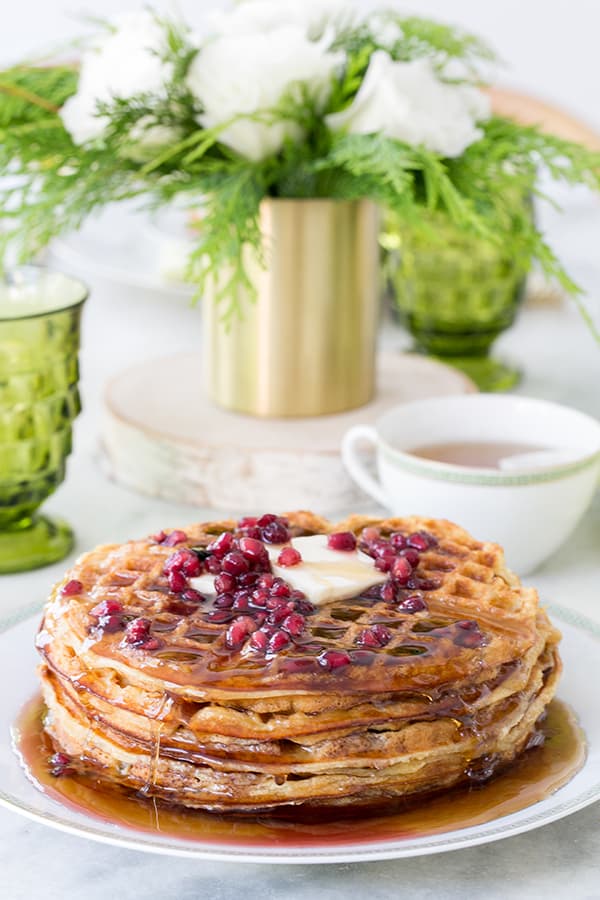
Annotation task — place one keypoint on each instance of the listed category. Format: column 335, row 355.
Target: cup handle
column 355, row 466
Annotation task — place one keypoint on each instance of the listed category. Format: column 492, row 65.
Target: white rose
column 246, row 74
column 125, row 62
column 407, row 101
column 313, row 16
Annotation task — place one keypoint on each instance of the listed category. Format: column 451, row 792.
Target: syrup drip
column 537, row 774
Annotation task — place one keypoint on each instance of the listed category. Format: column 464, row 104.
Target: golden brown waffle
column 468, row 665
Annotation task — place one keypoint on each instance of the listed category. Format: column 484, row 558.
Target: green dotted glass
column 40, row 313
column 455, row 293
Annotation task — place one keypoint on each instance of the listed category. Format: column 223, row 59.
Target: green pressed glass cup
column 40, row 313
column 455, row 293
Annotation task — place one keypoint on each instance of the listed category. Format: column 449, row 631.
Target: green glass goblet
column 456, row 293
column 40, row 313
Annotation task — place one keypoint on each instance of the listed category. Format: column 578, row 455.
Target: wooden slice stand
column 163, row 437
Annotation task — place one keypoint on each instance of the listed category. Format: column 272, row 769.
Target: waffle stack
column 242, row 702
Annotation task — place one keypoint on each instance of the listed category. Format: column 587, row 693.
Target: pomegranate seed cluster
column 261, row 613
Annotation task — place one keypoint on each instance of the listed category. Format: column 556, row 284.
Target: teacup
column 530, row 512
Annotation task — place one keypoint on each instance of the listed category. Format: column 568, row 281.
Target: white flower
column 122, row 64
column 248, row 74
column 407, row 101
column 313, row 16
column 384, row 29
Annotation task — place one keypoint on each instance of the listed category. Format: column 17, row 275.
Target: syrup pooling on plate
column 540, row 772
column 253, row 694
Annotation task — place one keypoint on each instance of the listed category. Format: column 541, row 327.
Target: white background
column 550, row 47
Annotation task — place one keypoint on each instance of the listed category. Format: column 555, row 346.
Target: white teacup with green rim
column 529, row 506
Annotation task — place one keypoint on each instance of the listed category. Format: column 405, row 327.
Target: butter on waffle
column 425, row 680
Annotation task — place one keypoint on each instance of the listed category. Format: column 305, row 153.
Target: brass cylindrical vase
column 306, row 345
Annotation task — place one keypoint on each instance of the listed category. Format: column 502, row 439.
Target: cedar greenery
column 53, row 184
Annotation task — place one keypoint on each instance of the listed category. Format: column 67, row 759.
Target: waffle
column 367, row 700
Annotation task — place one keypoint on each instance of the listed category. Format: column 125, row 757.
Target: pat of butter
column 323, row 575
column 205, row 584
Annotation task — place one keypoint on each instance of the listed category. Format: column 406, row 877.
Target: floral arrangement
column 273, row 98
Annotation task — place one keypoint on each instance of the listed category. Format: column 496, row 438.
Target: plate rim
column 219, row 852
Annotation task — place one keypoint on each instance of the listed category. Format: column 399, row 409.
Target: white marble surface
column 561, row 361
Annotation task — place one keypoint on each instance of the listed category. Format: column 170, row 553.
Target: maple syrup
column 538, row 773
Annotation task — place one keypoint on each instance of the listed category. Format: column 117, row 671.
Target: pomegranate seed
column 412, row 604
column 387, row 592
column 411, row 555
column 265, row 520
column 220, row 616
column 384, row 563
column 238, row 631
column 234, row 563
column 266, row 581
column 224, row 601
column 224, row 583
column 468, row 625
column 71, row 588
column 279, row 614
column 253, row 532
column 294, row 624
column 376, row 636
column 304, row 607
column 151, row 644
column 398, row 540
column 382, row 548
column 334, row 659
column 259, row 640
column 222, row 545
column 183, row 561
column 159, row 537
column 247, row 522
column 375, row 591
column 275, row 533
column 422, row 584
column 213, row 564
column 280, row 589
column 192, row 596
column 60, row 764
column 418, row 541
column 174, row 538
column 342, row 540
column 177, row 581
column 260, row 597
column 289, row 557
column 369, row 535
column 401, row 570
column 276, row 602
column 248, row 580
column 137, row 631
column 106, row 608
column 241, row 603
column 278, row 641
column 252, row 549
column 113, row 623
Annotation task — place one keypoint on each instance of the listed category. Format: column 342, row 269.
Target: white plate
column 129, row 247
column 581, row 654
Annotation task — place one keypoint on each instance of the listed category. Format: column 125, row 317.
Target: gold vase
column 306, row 345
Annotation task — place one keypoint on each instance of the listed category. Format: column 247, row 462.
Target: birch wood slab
column 163, row 437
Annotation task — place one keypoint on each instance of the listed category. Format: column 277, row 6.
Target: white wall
column 551, row 46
